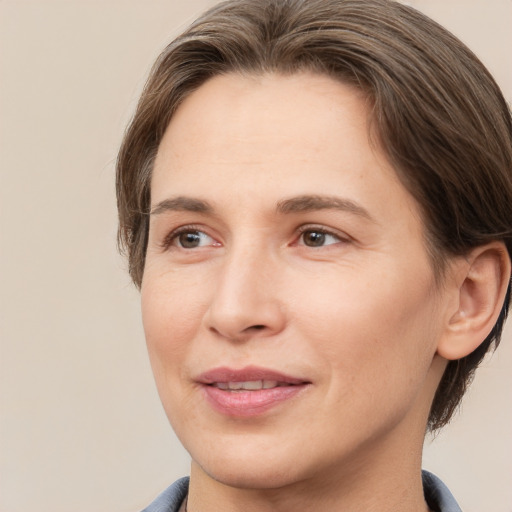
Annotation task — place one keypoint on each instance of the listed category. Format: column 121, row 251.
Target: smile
column 250, row 385
column 248, row 392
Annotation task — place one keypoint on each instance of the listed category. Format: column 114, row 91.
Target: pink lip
column 244, row 403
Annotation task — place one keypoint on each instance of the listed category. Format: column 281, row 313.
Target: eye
column 317, row 238
column 188, row 238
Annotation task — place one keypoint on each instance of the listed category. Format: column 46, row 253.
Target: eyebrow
column 308, row 203
column 299, row 204
column 184, row 204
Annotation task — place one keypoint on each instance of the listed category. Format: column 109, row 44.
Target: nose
column 245, row 302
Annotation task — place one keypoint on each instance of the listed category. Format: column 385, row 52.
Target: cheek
column 171, row 315
column 171, row 320
column 371, row 328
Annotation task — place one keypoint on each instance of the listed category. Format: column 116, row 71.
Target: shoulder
column 171, row 499
column 437, row 495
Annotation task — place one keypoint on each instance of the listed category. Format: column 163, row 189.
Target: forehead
column 280, row 135
column 231, row 109
column 234, row 115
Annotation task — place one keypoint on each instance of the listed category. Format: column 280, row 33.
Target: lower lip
column 249, row 403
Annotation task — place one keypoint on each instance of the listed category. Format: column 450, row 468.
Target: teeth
column 250, row 385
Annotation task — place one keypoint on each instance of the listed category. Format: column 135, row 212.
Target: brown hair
column 437, row 112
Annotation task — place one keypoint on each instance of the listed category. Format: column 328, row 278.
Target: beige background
column 81, row 425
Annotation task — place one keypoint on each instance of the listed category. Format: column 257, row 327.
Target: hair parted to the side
column 436, row 111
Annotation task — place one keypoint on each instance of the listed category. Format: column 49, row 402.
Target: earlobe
column 481, row 293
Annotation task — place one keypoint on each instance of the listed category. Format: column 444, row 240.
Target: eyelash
column 318, row 229
column 172, row 237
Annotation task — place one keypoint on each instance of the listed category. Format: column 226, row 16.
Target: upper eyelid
column 171, row 236
column 342, row 235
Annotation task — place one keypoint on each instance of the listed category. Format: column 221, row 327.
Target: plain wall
column 81, row 425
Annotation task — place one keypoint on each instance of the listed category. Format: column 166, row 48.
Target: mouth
column 250, row 391
column 249, row 385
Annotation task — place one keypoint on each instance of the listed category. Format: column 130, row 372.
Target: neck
column 395, row 486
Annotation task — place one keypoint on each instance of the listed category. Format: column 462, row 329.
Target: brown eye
column 192, row 239
column 314, row 238
column 318, row 238
column 189, row 240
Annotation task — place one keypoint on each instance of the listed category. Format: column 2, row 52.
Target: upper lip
column 248, row 373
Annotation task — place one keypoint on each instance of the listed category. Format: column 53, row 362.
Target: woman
column 315, row 198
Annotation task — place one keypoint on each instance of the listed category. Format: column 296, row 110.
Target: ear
column 482, row 279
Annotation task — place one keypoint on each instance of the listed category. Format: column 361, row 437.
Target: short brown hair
column 436, row 111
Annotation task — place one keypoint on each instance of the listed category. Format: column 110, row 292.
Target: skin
column 357, row 314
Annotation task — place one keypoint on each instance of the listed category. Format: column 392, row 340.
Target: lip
column 243, row 403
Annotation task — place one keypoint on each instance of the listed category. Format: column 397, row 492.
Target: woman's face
column 288, row 300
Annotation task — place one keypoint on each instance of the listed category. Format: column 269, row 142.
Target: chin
column 244, row 474
column 246, row 463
